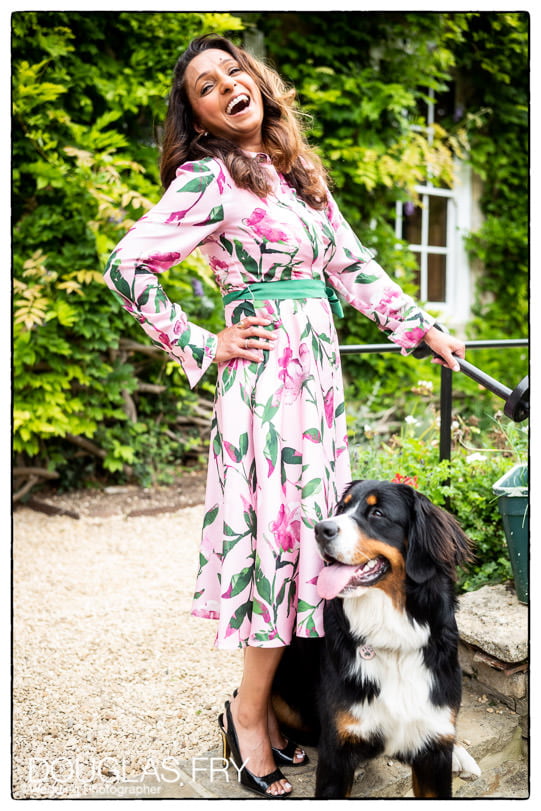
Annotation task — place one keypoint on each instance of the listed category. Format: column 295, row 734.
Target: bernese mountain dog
column 385, row 678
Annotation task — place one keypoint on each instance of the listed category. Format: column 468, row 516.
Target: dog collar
column 367, row 652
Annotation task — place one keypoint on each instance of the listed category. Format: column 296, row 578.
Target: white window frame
column 456, row 309
column 424, row 248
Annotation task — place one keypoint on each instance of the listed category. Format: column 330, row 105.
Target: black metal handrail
column 517, row 405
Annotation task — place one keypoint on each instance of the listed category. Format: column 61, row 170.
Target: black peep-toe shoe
column 286, row 756
column 259, row 785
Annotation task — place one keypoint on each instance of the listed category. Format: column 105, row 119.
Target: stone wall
column 494, row 645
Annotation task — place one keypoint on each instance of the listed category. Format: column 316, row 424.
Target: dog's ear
column 436, row 542
column 350, row 485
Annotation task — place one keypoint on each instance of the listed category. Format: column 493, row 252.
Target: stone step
column 489, row 730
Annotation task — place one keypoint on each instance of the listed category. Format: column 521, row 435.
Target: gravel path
column 111, row 674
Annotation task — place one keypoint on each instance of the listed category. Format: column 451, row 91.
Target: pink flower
column 286, row 528
column 293, row 372
column 389, row 304
column 180, row 326
column 264, row 227
column 217, row 264
column 162, row 261
column 413, row 337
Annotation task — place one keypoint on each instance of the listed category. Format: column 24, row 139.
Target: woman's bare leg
column 250, row 712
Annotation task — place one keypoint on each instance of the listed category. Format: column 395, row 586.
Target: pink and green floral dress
column 278, row 458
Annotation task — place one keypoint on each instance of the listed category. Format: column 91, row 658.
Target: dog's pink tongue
column 332, row 579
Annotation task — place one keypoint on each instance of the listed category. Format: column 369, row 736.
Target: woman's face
column 226, row 101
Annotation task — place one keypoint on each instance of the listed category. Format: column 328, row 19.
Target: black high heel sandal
column 286, row 756
column 252, row 782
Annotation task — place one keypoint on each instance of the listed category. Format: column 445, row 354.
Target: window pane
column 445, row 106
column 411, row 223
column 437, row 222
column 436, row 268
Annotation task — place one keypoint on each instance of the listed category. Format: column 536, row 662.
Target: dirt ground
column 110, row 670
column 127, row 500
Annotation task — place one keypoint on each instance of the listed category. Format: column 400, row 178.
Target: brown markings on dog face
column 347, row 498
column 372, row 499
column 393, row 583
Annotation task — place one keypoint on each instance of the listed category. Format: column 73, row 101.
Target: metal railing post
column 446, row 413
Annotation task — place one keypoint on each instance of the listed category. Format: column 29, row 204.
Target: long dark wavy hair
column 282, row 131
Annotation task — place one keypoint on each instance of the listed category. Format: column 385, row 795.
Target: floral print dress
column 278, row 457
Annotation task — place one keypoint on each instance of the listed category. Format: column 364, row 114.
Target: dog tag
column 367, row 652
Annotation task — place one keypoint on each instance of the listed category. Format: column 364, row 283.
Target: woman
column 243, row 186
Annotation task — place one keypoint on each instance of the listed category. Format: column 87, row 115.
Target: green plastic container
column 513, row 503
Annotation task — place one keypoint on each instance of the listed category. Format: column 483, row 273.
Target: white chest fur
column 403, row 713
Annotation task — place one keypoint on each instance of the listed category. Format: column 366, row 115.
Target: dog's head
column 383, row 533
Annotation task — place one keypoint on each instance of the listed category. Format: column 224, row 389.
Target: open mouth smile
column 367, row 574
column 238, row 104
column 341, row 579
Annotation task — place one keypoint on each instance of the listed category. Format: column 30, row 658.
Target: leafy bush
column 462, row 485
column 86, row 91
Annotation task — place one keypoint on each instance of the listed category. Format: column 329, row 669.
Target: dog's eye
column 376, row 513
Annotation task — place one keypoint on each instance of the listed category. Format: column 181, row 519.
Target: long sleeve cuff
column 195, row 352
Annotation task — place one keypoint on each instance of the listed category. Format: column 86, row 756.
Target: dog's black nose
column 326, row 530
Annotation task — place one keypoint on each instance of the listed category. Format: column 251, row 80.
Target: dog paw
column 464, row 765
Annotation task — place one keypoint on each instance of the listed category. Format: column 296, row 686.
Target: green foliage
column 87, row 90
column 462, row 485
column 493, row 55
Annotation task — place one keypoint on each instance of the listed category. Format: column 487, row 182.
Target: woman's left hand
column 446, row 346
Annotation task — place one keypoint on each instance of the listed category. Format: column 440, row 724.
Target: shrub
column 87, row 90
column 462, row 485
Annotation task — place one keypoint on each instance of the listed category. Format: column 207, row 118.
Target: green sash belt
column 259, row 292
